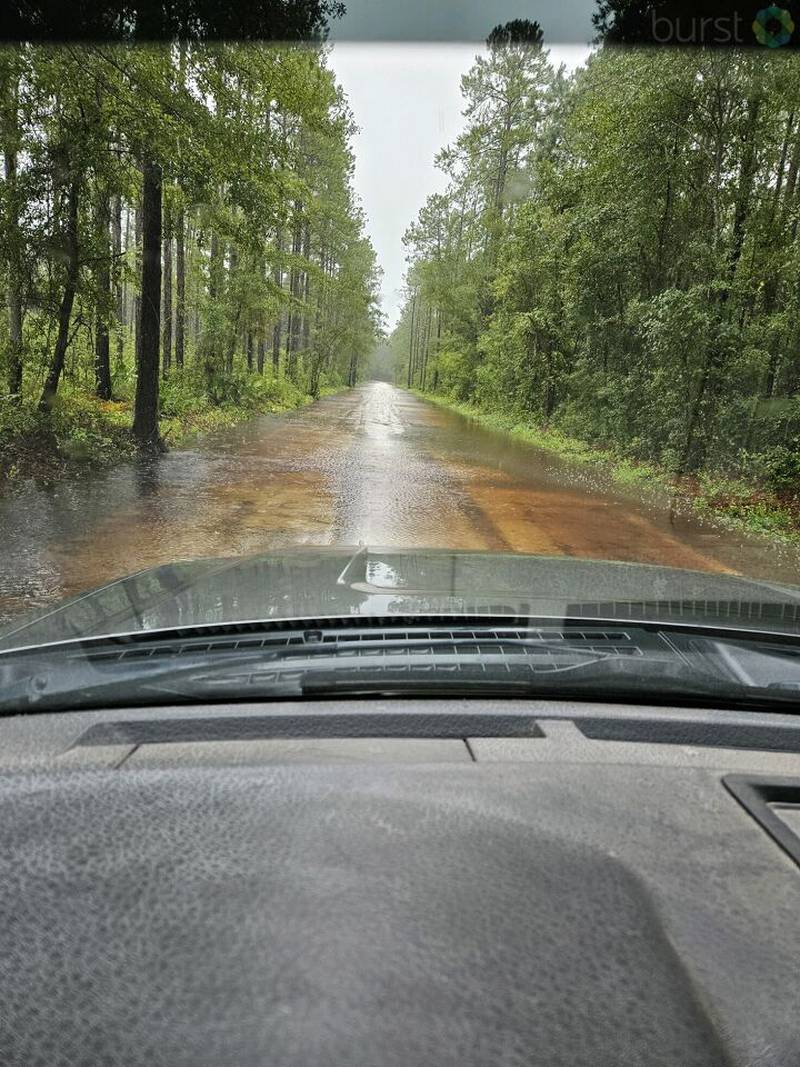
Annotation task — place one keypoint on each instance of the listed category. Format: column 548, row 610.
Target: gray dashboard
column 396, row 883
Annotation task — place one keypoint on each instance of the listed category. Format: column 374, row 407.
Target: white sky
column 407, row 102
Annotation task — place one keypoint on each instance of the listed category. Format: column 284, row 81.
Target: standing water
column 376, row 465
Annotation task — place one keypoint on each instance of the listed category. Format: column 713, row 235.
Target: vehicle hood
column 317, row 583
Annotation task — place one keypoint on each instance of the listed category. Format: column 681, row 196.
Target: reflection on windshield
column 318, row 584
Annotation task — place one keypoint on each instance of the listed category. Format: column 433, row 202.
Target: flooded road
column 374, row 465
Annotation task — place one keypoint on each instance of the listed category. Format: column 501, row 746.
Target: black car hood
column 317, row 583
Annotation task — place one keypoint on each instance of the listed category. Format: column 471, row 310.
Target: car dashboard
column 395, row 882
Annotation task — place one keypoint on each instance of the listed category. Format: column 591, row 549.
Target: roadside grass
column 733, row 503
column 81, row 429
column 742, row 506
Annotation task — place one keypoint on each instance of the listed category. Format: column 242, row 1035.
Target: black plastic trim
column 756, row 794
column 777, row 738
column 210, row 727
column 262, row 727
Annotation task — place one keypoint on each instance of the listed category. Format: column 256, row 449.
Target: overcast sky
column 563, row 21
column 407, row 102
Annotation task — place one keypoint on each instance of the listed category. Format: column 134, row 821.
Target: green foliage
column 80, row 428
column 83, row 429
column 248, row 394
column 17, row 421
column 263, row 243
column 739, row 507
column 186, row 414
column 615, row 262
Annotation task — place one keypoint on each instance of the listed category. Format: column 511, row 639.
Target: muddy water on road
column 374, row 465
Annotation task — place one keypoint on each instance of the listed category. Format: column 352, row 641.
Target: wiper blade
column 645, row 681
column 43, row 683
column 617, row 663
column 248, row 677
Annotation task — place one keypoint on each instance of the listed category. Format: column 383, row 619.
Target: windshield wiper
column 603, row 679
column 645, row 664
column 144, row 672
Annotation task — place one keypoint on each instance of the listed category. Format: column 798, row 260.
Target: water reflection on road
column 374, row 465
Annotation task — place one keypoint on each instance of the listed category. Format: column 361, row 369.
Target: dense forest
column 616, row 257
column 179, row 235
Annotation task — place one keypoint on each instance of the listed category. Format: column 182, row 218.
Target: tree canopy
column 616, row 256
column 153, row 20
column 181, row 212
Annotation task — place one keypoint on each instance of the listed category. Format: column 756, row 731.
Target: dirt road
column 374, row 465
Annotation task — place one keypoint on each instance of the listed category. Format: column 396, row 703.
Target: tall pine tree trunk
column 410, row 378
column 277, row 277
column 166, row 325
column 102, row 360
column 14, row 279
column 276, row 343
column 67, row 300
column 137, row 260
column 233, row 334
column 145, row 410
column 119, row 292
column 306, row 290
column 13, row 257
column 126, row 296
column 292, row 324
column 210, row 339
column 180, row 289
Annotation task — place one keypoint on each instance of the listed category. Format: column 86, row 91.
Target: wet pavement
column 375, row 465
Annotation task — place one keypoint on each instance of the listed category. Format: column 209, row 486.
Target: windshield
column 503, row 327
